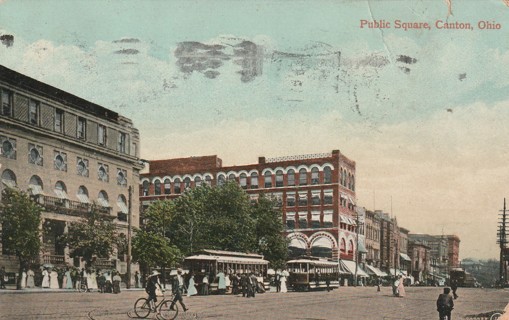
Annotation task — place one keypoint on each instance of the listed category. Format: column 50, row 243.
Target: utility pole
column 129, row 230
column 502, row 242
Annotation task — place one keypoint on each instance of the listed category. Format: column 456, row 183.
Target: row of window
column 60, row 162
column 36, row 187
column 299, row 220
column 300, row 178
column 34, row 118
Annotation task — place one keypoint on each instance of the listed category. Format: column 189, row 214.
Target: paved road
column 343, row 303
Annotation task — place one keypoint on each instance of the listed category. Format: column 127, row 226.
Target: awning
column 361, row 248
column 123, row 207
column 9, row 183
column 398, row 272
column 61, row 194
column 347, row 220
column 83, row 198
column 228, row 259
column 404, row 256
column 350, row 266
column 374, row 270
column 35, row 189
column 351, row 200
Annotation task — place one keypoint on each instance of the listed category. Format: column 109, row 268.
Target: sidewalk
column 12, row 290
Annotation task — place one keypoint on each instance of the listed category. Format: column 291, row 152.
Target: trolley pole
column 502, row 242
column 129, row 230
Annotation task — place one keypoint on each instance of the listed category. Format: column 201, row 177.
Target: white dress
column 53, row 281
column 283, row 284
column 23, row 280
column 45, row 279
column 92, row 281
column 191, row 290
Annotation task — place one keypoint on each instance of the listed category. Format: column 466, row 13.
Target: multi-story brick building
column 69, row 153
column 439, row 255
column 404, row 259
column 420, row 263
column 453, row 250
column 372, row 232
column 315, row 192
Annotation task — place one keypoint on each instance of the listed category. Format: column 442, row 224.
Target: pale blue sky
column 442, row 168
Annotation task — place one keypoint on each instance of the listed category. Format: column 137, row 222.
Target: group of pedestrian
column 280, row 279
column 398, row 287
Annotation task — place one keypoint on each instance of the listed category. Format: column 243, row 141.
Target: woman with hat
column 152, row 284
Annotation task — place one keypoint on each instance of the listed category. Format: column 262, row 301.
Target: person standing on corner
column 454, row 287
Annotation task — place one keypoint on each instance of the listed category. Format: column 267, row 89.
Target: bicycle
column 496, row 316
column 142, row 308
column 83, row 287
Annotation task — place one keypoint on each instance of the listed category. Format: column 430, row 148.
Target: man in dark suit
column 243, row 283
column 454, row 287
column 177, row 287
column 445, row 304
column 277, row 280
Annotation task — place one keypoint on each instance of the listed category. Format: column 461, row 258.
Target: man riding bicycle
column 152, row 284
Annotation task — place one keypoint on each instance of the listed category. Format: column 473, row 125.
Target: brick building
column 389, row 244
column 420, row 263
column 315, row 192
column 372, row 239
column 439, row 254
column 453, row 250
column 68, row 153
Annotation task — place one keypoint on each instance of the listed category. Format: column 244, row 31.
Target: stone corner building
column 68, row 153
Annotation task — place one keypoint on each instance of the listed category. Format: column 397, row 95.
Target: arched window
column 279, row 179
column 197, row 181
column 157, row 187
column 353, row 182
column 61, row 190
column 102, row 198
column 327, row 175
column 187, row 183
column 176, row 186
column 254, row 180
column 221, row 179
column 231, row 177
column 268, row 179
column 123, row 209
column 342, row 246
column 350, row 247
column 9, row 178
column 83, row 195
column 315, row 176
column 208, row 180
column 343, row 177
column 243, row 181
column 349, row 181
column 145, row 187
column 167, row 186
column 303, row 177
column 35, row 185
column 290, row 176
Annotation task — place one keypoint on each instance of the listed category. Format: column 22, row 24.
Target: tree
column 21, row 235
column 223, row 218
column 93, row 235
column 269, row 232
column 151, row 246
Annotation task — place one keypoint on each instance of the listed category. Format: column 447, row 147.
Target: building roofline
column 25, row 82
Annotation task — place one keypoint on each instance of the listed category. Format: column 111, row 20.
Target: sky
column 423, row 112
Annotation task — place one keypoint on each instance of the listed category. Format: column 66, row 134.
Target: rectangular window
column 315, row 198
column 101, row 135
column 315, row 219
column 33, row 112
column 59, row 120
column 327, row 218
column 327, row 197
column 82, row 128
column 290, row 220
column 303, row 220
column 290, row 199
column 6, row 103
column 303, row 199
column 122, row 138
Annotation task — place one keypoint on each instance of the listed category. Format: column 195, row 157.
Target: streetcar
column 211, row 262
column 312, row 273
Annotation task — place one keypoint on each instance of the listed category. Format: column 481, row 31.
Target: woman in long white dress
column 68, row 280
column 191, row 290
column 23, row 279
column 45, row 278
column 283, row 282
column 92, row 280
column 30, row 279
column 53, row 280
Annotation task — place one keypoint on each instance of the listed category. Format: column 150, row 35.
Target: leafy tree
column 151, row 246
column 20, row 218
column 93, row 235
column 223, row 218
column 269, row 232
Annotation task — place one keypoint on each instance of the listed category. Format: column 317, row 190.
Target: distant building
column 315, row 192
column 389, row 244
column 404, row 259
column 69, row 153
column 453, row 250
column 441, row 260
column 372, row 236
column 420, row 260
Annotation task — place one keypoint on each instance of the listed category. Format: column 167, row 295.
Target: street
column 343, row 303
